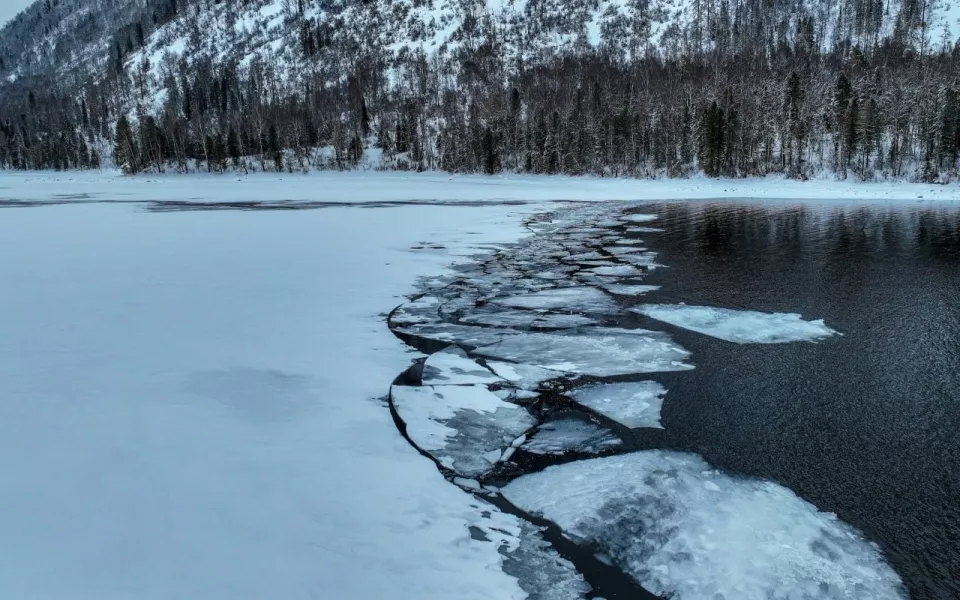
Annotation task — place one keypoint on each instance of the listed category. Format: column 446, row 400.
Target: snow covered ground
column 192, row 403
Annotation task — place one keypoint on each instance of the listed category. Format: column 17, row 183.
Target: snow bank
column 430, row 187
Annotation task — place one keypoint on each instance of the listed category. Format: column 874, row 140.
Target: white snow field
column 632, row 404
column 740, row 326
column 189, row 401
column 688, row 532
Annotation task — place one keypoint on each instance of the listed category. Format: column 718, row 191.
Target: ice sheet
column 688, row 532
column 741, row 326
column 632, row 404
column 630, row 290
column 592, row 255
column 597, row 351
column 622, row 250
column 571, row 435
column 525, row 377
column 645, row 259
column 638, row 218
column 540, row 570
column 617, row 271
column 464, row 335
column 464, row 427
column 421, row 311
column 451, row 366
column 578, row 298
column 523, row 318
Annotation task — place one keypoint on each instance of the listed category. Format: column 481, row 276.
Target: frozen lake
column 194, row 392
column 191, row 406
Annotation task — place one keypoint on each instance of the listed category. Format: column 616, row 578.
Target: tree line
column 741, row 96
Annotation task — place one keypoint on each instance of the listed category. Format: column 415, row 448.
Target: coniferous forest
column 865, row 89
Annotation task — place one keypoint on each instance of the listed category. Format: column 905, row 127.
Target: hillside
column 639, row 87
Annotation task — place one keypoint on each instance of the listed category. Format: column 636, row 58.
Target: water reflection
column 864, row 424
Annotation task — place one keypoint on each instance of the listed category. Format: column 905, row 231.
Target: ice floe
column 593, row 255
column 646, row 260
column 638, row 218
column 741, row 326
column 688, row 532
column 540, row 571
column 617, row 271
column 579, row 298
column 451, row 366
column 464, row 335
column 525, row 377
column 465, row 428
column 630, row 290
column 416, row 312
column 598, row 351
column 621, row 250
column 521, row 318
column 632, row 404
column 570, row 434
column 596, row 263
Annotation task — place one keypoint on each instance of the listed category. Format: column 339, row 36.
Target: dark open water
column 866, row 425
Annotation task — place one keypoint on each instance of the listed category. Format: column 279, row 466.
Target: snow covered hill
column 73, row 36
column 606, row 87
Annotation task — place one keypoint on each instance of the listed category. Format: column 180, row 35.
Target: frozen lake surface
column 196, row 377
column 193, row 406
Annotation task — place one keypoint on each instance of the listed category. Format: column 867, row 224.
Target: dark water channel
column 867, row 424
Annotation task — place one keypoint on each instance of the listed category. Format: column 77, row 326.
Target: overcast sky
column 10, row 8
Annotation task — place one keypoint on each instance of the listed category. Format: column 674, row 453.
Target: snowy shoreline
column 386, row 186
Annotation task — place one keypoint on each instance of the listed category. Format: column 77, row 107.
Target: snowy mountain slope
column 574, row 86
column 72, row 36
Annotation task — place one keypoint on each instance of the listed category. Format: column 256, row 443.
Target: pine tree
column 126, row 154
column 489, row 152
column 276, row 151
column 233, row 147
